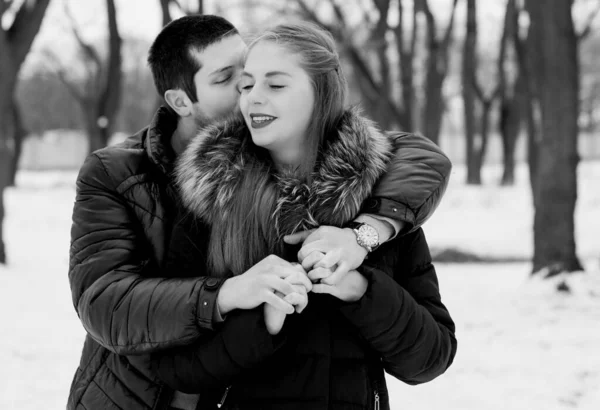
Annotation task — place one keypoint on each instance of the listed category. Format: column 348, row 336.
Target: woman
column 297, row 160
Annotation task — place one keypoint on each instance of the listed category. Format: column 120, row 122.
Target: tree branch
column 431, row 24
column 58, row 69
column 24, row 28
column 449, row 29
column 88, row 50
column 587, row 28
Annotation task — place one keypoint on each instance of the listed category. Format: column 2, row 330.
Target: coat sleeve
column 117, row 289
column 242, row 343
column 402, row 316
column 414, row 183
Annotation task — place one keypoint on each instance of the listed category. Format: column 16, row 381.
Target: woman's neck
column 289, row 159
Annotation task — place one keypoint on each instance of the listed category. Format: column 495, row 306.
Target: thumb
column 298, row 237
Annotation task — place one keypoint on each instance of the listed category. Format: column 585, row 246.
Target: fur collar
column 212, row 167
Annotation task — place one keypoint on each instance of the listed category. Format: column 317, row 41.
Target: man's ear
column 179, row 102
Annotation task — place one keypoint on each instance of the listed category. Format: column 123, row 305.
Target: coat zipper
column 222, row 402
column 376, row 394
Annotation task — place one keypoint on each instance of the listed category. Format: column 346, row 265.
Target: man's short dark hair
column 171, row 56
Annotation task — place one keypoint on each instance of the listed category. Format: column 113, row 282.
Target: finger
column 295, row 299
column 337, row 276
column 298, row 237
column 307, row 249
column 325, row 289
column 285, row 272
column 279, row 285
column 300, row 279
column 302, row 305
column 312, row 259
column 330, row 259
column 279, row 303
column 319, row 273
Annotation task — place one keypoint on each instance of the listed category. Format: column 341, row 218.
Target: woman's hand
column 274, row 317
column 350, row 287
column 258, row 285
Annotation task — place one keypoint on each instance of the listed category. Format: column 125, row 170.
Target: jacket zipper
column 376, row 394
column 222, row 402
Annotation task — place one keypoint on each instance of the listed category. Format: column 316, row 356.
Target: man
column 127, row 209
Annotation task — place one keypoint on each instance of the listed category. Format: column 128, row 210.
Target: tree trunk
column 166, row 13
column 437, row 69
column 509, row 131
column 556, row 72
column 481, row 147
column 433, row 109
column 110, row 97
column 469, row 67
column 15, row 43
column 19, row 133
column 511, row 90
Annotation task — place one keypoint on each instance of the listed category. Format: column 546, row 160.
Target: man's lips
column 260, row 120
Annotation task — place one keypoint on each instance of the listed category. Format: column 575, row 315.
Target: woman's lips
column 261, row 120
column 261, row 124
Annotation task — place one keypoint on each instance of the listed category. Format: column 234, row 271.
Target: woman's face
column 277, row 100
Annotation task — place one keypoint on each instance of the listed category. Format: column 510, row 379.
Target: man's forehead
column 228, row 52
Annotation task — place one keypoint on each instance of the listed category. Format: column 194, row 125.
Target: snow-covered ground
column 522, row 345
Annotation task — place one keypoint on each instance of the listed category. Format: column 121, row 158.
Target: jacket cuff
column 207, row 302
column 389, row 208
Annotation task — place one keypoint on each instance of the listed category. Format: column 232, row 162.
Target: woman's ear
column 179, row 102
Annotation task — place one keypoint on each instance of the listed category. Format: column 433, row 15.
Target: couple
column 272, row 260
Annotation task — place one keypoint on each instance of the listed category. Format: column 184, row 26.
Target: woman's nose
column 256, row 96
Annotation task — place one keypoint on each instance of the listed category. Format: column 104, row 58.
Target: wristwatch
column 366, row 235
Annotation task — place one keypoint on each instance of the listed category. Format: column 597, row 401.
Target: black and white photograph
column 300, row 204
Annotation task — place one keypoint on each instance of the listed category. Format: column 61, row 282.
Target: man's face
column 216, row 82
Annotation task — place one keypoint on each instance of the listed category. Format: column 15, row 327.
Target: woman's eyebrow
column 269, row 74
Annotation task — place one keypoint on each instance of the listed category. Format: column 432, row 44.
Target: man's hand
column 330, row 248
column 350, row 288
column 274, row 318
column 259, row 284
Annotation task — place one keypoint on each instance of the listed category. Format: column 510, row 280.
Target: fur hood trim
column 212, row 167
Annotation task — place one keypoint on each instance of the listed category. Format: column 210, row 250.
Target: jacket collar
column 158, row 139
column 209, row 172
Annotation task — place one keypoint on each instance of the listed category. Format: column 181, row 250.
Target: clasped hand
column 329, row 258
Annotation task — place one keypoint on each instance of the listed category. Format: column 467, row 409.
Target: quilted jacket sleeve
column 216, row 360
column 117, row 290
column 414, row 183
column 401, row 315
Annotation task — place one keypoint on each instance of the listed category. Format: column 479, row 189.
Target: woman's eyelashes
column 248, row 87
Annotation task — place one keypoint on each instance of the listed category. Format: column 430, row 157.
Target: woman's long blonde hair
column 248, row 234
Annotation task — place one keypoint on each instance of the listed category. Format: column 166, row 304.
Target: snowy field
column 521, row 344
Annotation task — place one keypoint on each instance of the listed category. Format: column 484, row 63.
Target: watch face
column 368, row 235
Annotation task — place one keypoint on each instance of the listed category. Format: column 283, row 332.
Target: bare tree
column 19, row 134
column 477, row 105
column 555, row 74
column 437, row 70
column 406, row 53
column 100, row 95
column 378, row 100
column 512, row 93
column 15, row 43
